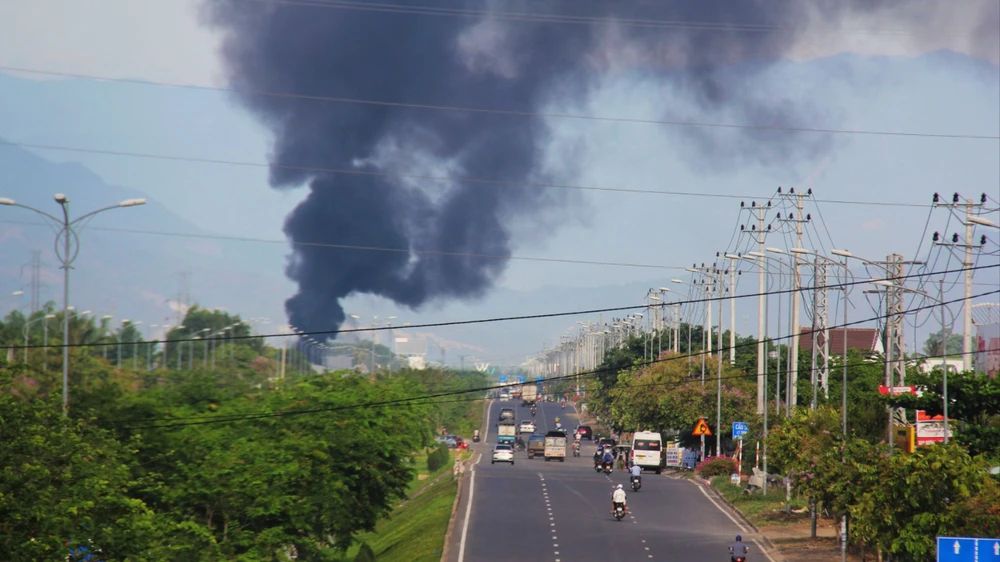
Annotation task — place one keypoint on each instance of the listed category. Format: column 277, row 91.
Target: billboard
column 988, row 349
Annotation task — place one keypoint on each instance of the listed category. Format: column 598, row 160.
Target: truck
column 536, row 445
column 506, row 432
column 507, row 414
column 555, row 446
column 529, row 395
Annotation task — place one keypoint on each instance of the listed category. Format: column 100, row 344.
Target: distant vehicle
column 451, row 441
column 505, row 396
column 555, row 446
column 506, row 432
column 607, row 441
column 529, row 395
column 527, row 426
column 585, row 432
column 646, row 450
column 507, row 414
column 503, row 453
column 536, row 445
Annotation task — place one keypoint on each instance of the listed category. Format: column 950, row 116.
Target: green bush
column 438, row 457
column 365, row 554
column 716, row 466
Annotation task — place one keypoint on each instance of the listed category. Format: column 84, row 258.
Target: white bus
column 647, row 449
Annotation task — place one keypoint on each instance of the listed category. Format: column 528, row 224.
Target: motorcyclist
column 738, row 549
column 597, row 457
column 609, row 459
column 519, row 444
column 636, row 472
column 532, row 411
column 618, row 497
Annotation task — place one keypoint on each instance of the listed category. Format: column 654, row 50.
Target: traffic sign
column 701, row 428
column 503, row 379
column 539, row 379
column 739, row 429
column 520, row 379
column 967, row 549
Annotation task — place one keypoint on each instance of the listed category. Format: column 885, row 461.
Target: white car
column 503, row 453
column 527, row 426
column 504, row 397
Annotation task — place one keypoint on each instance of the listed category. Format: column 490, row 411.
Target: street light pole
column 66, row 257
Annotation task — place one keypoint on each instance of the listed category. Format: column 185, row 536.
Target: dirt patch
column 791, row 537
column 422, row 476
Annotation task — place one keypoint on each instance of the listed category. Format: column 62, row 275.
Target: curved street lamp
column 67, row 252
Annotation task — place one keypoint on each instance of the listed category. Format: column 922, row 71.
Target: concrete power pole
column 793, row 367
column 967, row 263
column 759, row 233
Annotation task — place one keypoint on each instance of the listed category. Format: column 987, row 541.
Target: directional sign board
column 539, row 379
column 739, row 429
column 520, row 379
column 701, row 428
column 503, row 379
column 965, row 549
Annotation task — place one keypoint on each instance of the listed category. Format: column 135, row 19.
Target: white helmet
column 619, row 486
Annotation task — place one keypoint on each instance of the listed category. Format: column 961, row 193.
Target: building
column 864, row 340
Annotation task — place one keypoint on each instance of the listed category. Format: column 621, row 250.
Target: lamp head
column 61, row 198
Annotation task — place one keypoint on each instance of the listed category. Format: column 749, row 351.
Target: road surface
column 559, row 511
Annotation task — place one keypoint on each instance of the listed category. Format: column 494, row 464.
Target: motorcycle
column 576, row 449
column 619, row 511
column 636, row 483
column 607, row 468
column 598, row 466
column 733, row 557
column 475, row 436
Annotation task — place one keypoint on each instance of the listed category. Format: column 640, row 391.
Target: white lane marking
column 724, row 511
column 762, row 549
column 468, row 512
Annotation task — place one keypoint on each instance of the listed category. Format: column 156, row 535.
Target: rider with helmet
column 738, row 549
column 609, row 459
column 618, row 497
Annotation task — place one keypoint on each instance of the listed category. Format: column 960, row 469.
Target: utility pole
column 759, row 233
column 967, row 264
column 793, row 366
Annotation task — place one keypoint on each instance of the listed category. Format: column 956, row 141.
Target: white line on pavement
column 724, row 511
column 468, row 512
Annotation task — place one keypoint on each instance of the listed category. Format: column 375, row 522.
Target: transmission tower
column 798, row 220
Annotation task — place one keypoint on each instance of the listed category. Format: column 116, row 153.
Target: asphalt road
column 559, row 511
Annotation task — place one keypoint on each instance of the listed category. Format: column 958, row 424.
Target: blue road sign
column 503, row 379
column 739, row 429
column 967, row 549
column 520, row 379
column 539, row 379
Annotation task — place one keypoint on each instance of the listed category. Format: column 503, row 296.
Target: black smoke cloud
column 306, row 48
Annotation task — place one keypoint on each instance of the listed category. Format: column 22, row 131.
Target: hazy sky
column 162, row 40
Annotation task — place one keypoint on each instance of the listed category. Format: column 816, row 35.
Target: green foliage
column 972, row 399
column 943, row 343
column 67, row 480
column 438, row 457
column 716, row 466
column 365, row 554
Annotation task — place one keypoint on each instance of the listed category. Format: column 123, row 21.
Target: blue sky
column 940, row 93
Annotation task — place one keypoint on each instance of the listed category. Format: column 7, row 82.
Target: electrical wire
column 363, row 248
column 707, row 300
column 400, row 175
column 201, row 420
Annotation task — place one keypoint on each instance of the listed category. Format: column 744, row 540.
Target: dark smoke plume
column 308, row 48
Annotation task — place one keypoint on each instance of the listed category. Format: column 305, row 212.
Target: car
column 503, row 453
column 527, row 426
column 585, row 432
column 451, row 441
column 607, row 442
column 505, row 397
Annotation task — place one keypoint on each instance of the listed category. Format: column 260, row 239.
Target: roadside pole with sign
column 701, row 429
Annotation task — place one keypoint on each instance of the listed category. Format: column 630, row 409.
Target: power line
column 509, row 112
column 363, row 248
column 201, row 420
column 537, row 17
column 397, row 175
column 521, row 317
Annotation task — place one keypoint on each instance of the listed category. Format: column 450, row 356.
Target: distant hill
column 128, row 274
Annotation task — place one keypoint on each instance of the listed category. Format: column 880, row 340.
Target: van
column 647, row 449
